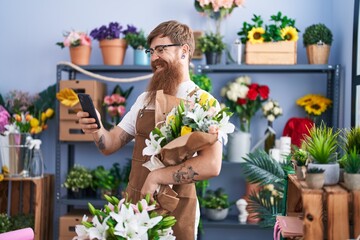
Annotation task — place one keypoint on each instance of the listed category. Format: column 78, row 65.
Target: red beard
column 168, row 79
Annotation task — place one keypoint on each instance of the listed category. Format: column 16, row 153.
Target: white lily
column 99, row 229
column 198, row 114
column 153, row 146
column 225, row 127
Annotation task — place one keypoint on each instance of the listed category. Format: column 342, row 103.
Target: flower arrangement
column 112, row 31
column 314, row 104
column 136, row 39
column 121, row 219
column 271, row 110
column 78, row 178
column 217, row 9
column 74, row 39
column 281, row 29
column 200, row 119
column 245, row 99
column 116, row 103
column 29, row 114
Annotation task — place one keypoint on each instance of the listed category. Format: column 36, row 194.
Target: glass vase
column 270, row 139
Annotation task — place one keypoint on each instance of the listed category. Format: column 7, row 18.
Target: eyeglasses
column 159, row 49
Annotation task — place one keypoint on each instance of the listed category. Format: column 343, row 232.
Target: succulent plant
column 316, row 34
column 315, row 170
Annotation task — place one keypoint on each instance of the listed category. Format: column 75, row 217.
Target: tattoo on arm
column 100, row 143
column 185, row 174
column 125, row 138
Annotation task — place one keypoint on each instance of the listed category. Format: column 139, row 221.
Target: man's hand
column 150, row 185
column 87, row 124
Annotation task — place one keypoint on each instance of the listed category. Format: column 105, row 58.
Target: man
column 171, row 48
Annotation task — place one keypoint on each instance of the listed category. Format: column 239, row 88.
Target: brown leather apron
column 184, row 213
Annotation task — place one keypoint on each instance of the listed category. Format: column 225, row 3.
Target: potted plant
column 113, row 45
column 352, row 170
column 107, row 181
column 202, row 81
column 137, row 40
column 317, row 39
column 216, row 204
column 78, row 180
column 321, row 144
column 5, row 223
column 300, row 157
column 79, row 44
column 315, row 178
column 212, row 45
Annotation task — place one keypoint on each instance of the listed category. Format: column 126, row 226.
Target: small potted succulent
column 79, row 44
column 321, row 144
column 212, row 45
column 300, row 157
column 137, row 40
column 315, row 178
column 112, row 43
column 216, row 204
column 352, row 170
column 317, row 39
column 78, row 180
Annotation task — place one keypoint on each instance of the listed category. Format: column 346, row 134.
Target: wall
column 30, row 29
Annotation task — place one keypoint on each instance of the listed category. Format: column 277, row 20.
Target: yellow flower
column 185, row 130
column 68, row 97
column 289, row 34
column 49, row 112
column 170, row 119
column 303, row 101
column 255, row 35
column 34, row 122
column 5, row 169
column 316, row 108
column 43, row 117
column 36, row 130
column 204, row 98
column 1, row 177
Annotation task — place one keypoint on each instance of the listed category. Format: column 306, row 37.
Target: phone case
column 87, row 105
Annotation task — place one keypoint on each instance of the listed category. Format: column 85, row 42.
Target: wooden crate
column 69, row 130
column 30, row 195
column 283, row 52
column 68, row 222
column 94, row 88
column 328, row 212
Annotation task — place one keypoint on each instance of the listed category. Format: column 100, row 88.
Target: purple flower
column 130, row 29
column 4, row 118
column 114, row 30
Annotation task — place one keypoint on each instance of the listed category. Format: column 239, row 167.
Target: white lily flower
column 153, row 146
column 198, row 114
column 145, row 220
column 225, row 127
column 82, row 232
column 99, row 229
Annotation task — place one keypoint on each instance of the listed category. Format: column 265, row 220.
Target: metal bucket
column 14, row 154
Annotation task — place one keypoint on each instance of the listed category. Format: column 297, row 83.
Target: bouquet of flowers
column 74, row 39
column 188, row 128
column 122, row 220
column 217, row 9
column 271, row 110
column 29, row 114
column 116, row 103
column 244, row 98
column 314, row 104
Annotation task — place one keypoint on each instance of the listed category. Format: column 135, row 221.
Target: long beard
column 167, row 79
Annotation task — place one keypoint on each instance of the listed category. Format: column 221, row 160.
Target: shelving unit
column 231, row 224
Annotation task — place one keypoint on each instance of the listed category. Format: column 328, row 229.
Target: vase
column 216, row 214
column 15, row 154
column 113, row 51
column 213, row 58
column 331, row 173
column 80, row 55
column 238, row 146
column 318, row 54
column 141, row 58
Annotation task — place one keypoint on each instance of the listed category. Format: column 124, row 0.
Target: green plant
column 352, row 162
column 5, row 223
column 202, row 80
column 315, row 170
column 78, row 178
column 281, row 29
column 321, row 143
column 317, row 34
column 107, row 179
column 136, row 40
column 300, row 156
column 351, row 140
column 22, row 221
column 211, row 42
column 217, row 199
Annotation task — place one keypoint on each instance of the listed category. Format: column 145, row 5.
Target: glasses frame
column 151, row 51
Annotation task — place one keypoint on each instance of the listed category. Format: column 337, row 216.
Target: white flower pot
column 352, row 181
column 332, row 172
column 315, row 180
column 238, row 146
column 216, row 214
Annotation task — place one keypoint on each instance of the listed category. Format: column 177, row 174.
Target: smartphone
column 87, row 105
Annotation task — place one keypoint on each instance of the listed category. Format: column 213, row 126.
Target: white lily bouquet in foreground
column 122, row 220
column 188, row 128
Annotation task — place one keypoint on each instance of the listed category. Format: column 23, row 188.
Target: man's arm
column 204, row 166
column 107, row 141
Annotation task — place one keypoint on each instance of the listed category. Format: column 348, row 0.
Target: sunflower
column 289, row 34
column 255, row 35
column 316, row 108
column 305, row 100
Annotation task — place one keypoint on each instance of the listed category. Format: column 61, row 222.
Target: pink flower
column 4, row 118
column 117, row 98
column 112, row 111
column 108, row 100
column 121, row 110
column 85, row 40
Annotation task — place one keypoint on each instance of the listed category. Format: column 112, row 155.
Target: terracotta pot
column 80, row 55
column 318, row 54
column 113, row 51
